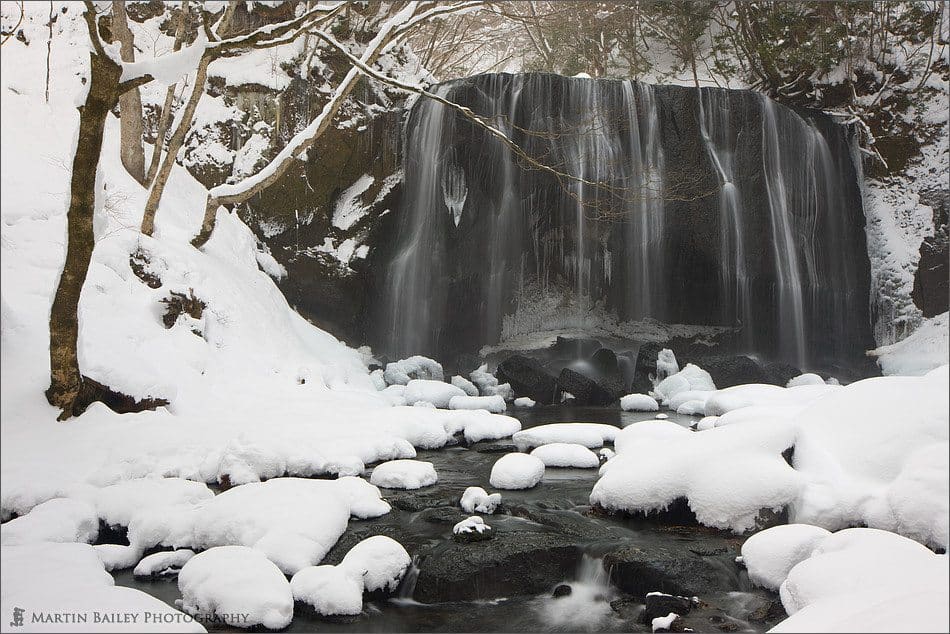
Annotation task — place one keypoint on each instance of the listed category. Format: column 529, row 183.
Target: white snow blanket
column 494, row 404
column 560, row 454
column 692, row 377
column 639, row 403
column 516, row 471
column 58, row 520
column 404, row 474
column 418, row 367
column 435, row 392
column 590, row 435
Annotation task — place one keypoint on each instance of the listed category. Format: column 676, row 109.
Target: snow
column 330, row 590
column 591, row 435
column 465, row 385
column 169, row 68
column 477, row 500
column 435, row 392
column 484, row 380
column 666, row 364
column 561, row 454
column 417, row 367
column 64, row 578
column 481, row 425
column 662, row 623
column 516, row 471
column 691, row 377
column 163, row 563
column 118, row 556
column 525, row 401
column 404, row 474
column 494, row 404
column 924, row 350
column 117, row 504
column 236, row 580
column 639, row 403
column 379, row 561
column 805, row 379
column 770, row 554
column 57, row 520
column 348, row 209
column 474, row 524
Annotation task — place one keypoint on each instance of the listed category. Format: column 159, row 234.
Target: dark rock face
column 562, row 590
column 657, row 605
column 931, row 292
column 528, row 377
column 587, row 391
column 729, row 371
column 671, row 571
column 508, row 565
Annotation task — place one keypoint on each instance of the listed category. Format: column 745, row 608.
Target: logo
column 17, row 617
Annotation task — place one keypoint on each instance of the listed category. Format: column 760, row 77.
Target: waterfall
column 708, row 207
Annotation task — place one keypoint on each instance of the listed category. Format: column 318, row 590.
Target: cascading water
column 708, row 207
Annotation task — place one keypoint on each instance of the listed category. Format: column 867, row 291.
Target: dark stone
column 931, row 292
column 645, row 367
column 604, row 362
column 511, row 564
column 442, row 515
column 780, row 373
column 587, row 391
column 563, row 590
column 736, row 370
column 494, row 448
column 528, row 377
column 469, row 537
column 676, row 571
column 657, row 605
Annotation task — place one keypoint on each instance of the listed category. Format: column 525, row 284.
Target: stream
column 543, row 537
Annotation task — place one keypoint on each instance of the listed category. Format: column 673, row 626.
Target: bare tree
column 130, row 103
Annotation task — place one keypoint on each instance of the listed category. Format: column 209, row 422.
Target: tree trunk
column 130, row 103
column 66, row 389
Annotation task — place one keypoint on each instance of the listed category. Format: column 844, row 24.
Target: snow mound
column 591, row 435
column 692, row 377
column 494, row 404
column 516, row 471
column 165, row 563
column 380, row 561
column 480, row 425
column 329, row 590
column 58, row 578
column 58, row 520
column 561, row 454
column 465, row 385
column 639, row 403
column 770, row 554
column 648, row 430
column 525, row 401
column 805, row 379
column 417, row 367
column 118, row 556
column 229, row 580
column 927, row 348
column 477, row 500
column 663, row 623
column 435, row 392
column 484, row 380
column 666, row 364
column 117, row 504
column 474, row 524
column 404, row 474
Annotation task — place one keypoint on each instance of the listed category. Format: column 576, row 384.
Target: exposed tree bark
column 130, row 104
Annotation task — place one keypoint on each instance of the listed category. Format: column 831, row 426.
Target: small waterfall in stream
column 709, row 207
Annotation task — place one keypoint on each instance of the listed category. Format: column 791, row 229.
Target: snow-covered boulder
column 494, row 404
column 805, row 379
column 692, row 377
column 769, row 555
column 639, row 403
column 379, row 561
column 516, row 471
column 165, row 563
column 377, row 377
column 666, row 364
column 435, row 392
column 117, row 504
column 472, row 529
column 417, row 367
column 525, row 401
column 591, row 435
column 230, row 580
column 58, row 520
column 118, row 556
column 560, row 454
column 477, row 500
column 481, row 425
column 395, row 394
column 465, row 385
column 329, row 590
column 484, row 380
column 404, row 474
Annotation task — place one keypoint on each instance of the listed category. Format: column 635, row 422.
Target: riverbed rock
column 587, row 391
column 512, row 563
column 659, row 604
column 727, row 371
column 528, row 377
column 562, row 590
column 677, row 571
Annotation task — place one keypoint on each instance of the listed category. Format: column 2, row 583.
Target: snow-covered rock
column 232, row 580
column 417, row 367
column 471, row 529
column 465, row 385
column 639, row 403
column 435, row 392
column 477, row 500
column 525, row 401
column 379, row 561
column 666, row 364
column 481, row 425
column 808, row 378
column 329, row 590
column 404, row 474
column 591, row 435
column 160, row 564
column 484, row 380
column 58, row 520
column 117, row 504
column 377, row 377
column 494, row 404
column 118, row 556
column 663, row 623
column 769, row 555
column 691, row 377
column 561, row 454
column 516, row 471
column 924, row 350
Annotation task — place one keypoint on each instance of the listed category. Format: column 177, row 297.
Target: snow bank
column 770, row 554
column 404, row 474
column 379, row 561
column 516, row 471
column 58, row 520
column 417, row 367
column 561, row 454
column 639, row 403
column 435, row 392
column 927, row 348
column 229, row 580
column 164, row 563
column 118, row 503
column 329, row 590
column 590, row 435
column 494, row 404
column 54, row 578
column 477, row 500
column 692, row 377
